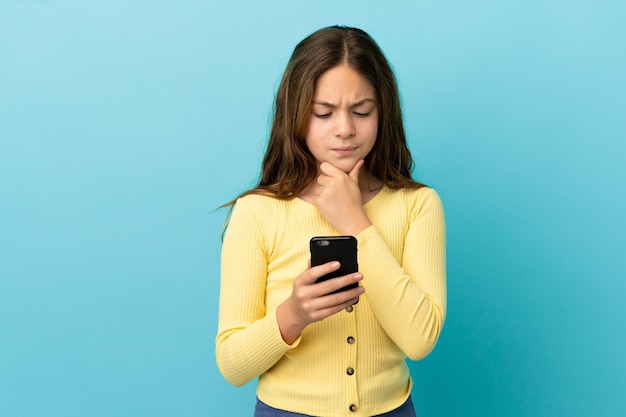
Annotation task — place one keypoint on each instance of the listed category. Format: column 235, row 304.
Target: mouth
column 345, row 150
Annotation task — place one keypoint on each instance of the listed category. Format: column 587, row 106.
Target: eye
column 322, row 116
column 362, row 114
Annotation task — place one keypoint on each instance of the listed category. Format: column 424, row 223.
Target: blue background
column 124, row 124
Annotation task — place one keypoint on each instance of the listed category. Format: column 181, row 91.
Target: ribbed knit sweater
column 354, row 362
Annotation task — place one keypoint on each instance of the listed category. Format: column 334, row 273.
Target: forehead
column 343, row 84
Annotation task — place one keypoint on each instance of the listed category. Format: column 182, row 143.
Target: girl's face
column 344, row 122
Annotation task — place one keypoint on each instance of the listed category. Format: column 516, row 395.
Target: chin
column 345, row 166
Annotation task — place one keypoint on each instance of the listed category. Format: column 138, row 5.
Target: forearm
column 245, row 353
column 417, row 295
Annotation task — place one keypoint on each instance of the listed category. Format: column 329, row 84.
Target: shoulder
column 260, row 201
column 259, row 206
column 255, row 200
column 417, row 203
column 252, row 215
column 414, row 197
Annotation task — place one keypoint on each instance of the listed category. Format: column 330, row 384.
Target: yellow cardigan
column 352, row 363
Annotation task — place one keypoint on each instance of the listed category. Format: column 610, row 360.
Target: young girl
column 337, row 163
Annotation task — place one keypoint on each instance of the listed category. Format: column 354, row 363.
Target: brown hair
column 288, row 166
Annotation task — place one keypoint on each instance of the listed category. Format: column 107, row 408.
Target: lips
column 345, row 150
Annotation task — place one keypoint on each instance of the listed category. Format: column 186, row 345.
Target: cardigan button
column 349, row 309
column 353, row 407
column 350, row 371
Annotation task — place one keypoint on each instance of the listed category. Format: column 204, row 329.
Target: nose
column 344, row 126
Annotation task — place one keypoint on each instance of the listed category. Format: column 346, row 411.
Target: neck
column 368, row 182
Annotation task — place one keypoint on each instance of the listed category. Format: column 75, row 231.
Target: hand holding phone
column 309, row 301
column 335, row 248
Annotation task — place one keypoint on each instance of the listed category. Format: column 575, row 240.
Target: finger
column 329, row 311
column 335, row 284
column 347, row 297
column 354, row 172
column 323, row 179
column 319, row 271
column 329, row 169
column 336, row 287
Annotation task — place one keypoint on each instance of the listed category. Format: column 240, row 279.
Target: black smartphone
column 335, row 248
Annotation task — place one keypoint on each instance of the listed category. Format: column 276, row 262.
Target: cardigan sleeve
column 414, row 285
column 248, row 341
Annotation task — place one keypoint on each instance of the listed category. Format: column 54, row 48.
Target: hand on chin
column 345, row 165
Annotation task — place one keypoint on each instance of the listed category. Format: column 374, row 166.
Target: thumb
column 354, row 172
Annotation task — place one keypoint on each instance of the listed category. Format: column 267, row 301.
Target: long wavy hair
column 288, row 165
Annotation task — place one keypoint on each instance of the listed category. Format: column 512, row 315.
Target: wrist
column 289, row 326
column 356, row 227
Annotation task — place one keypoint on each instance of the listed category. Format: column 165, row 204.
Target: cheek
column 370, row 128
column 312, row 129
column 314, row 134
column 312, row 142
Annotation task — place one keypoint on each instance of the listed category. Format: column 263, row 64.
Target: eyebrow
column 333, row 106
